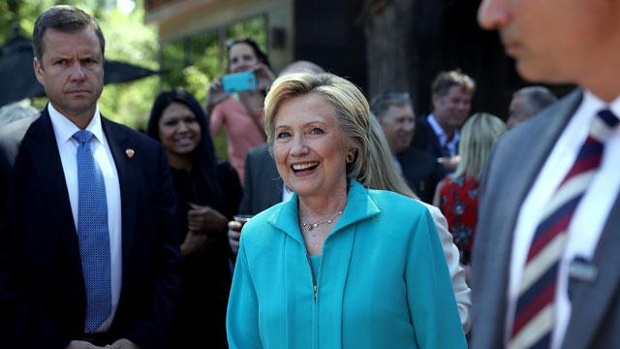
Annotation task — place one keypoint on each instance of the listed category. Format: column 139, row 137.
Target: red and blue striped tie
column 535, row 314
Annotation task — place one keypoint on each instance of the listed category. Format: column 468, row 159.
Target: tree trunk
column 391, row 57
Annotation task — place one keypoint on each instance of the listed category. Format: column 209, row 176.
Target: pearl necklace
column 329, row 220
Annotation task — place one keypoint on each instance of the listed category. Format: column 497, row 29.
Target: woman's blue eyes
column 313, row 131
column 283, row 135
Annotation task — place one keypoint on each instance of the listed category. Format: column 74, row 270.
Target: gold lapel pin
column 130, row 153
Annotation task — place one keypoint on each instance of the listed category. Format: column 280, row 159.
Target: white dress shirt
column 67, row 147
column 452, row 145
column 587, row 223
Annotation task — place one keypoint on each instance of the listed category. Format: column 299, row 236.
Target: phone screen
column 239, row 82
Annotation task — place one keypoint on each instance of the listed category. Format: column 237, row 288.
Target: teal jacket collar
column 358, row 208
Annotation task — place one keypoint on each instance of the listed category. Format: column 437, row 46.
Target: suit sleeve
column 152, row 329
column 462, row 292
column 432, row 305
column 14, row 310
column 246, row 200
column 242, row 316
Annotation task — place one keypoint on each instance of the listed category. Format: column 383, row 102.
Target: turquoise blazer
column 383, row 281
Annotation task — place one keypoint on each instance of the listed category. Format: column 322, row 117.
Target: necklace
column 329, row 220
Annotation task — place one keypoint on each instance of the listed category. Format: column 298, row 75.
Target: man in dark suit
column 438, row 133
column 581, row 305
column 263, row 187
column 421, row 170
column 44, row 293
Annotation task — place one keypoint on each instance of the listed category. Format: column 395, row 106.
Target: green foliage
column 128, row 103
column 254, row 28
column 192, row 62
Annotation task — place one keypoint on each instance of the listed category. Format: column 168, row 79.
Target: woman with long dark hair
column 208, row 194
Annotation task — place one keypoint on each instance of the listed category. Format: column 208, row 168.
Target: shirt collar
column 443, row 138
column 593, row 104
column 64, row 128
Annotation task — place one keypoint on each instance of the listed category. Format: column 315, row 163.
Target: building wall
column 177, row 19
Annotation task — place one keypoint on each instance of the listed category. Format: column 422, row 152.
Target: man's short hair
column 66, row 19
column 381, row 103
column 446, row 79
column 539, row 97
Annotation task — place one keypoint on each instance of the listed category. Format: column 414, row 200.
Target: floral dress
column 458, row 201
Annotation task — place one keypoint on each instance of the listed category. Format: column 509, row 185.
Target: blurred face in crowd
column 309, row 147
column 179, row 131
column 71, row 71
column 452, row 109
column 398, row 123
column 241, row 57
column 557, row 40
column 520, row 110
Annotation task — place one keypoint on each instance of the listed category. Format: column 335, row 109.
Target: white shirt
column 67, row 147
column 443, row 137
column 587, row 224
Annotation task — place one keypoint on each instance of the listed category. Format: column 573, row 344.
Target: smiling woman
column 335, row 240
column 208, row 195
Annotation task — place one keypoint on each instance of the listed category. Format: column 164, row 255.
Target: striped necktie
column 93, row 234
column 535, row 312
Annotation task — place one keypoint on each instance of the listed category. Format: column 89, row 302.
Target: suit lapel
column 591, row 300
column 274, row 195
column 531, row 156
column 529, row 146
column 39, row 144
column 120, row 144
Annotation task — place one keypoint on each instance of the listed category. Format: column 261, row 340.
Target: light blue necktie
column 93, row 234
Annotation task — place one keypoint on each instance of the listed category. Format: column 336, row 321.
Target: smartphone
column 239, row 82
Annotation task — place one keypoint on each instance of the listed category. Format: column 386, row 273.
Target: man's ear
column 38, row 70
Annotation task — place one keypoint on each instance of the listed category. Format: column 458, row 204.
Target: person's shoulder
column 422, row 125
column 117, row 130
column 395, row 202
column 257, row 229
column 268, row 214
column 259, row 152
column 416, row 156
column 16, row 129
column 554, row 117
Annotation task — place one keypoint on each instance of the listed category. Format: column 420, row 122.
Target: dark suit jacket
column 262, row 185
column 421, row 171
column 515, row 162
column 42, row 293
column 426, row 139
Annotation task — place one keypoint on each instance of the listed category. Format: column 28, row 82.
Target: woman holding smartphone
column 241, row 113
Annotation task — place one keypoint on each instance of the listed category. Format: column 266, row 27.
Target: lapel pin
column 130, row 153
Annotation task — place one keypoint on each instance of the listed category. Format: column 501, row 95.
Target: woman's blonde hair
column 350, row 107
column 477, row 137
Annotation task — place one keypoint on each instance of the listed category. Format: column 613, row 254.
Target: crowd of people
column 370, row 226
